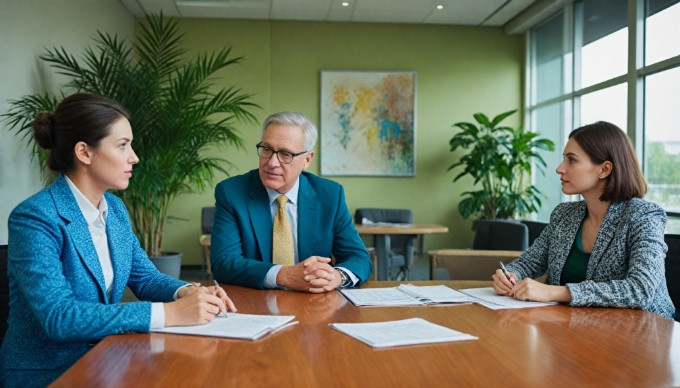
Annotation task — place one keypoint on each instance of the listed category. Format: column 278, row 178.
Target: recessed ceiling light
column 345, row 4
column 440, row 6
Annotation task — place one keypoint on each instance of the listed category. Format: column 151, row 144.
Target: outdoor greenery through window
column 591, row 62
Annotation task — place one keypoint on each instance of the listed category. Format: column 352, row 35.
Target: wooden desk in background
column 381, row 240
column 535, row 347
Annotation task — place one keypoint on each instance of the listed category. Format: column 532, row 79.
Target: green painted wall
column 27, row 29
column 460, row 71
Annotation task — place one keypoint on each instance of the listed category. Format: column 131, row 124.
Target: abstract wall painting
column 368, row 123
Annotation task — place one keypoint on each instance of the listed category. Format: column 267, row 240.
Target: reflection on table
column 381, row 240
column 534, row 347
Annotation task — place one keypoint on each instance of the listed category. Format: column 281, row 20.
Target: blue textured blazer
column 58, row 302
column 626, row 266
column 241, row 246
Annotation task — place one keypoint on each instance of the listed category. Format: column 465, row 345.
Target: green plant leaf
column 179, row 112
column 500, row 160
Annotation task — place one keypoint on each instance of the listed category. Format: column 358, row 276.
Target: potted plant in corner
column 500, row 159
column 178, row 111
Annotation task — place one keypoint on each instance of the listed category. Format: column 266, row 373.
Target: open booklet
column 404, row 295
column 488, row 298
column 239, row 326
column 399, row 333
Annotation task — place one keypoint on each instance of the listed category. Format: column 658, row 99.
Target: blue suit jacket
column 58, row 302
column 626, row 266
column 241, row 246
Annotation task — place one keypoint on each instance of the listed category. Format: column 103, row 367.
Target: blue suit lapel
column 77, row 229
column 119, row 251
column 260, row 216
column 308, row 218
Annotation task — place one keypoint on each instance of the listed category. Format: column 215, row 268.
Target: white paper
column 404, row 295
column 412, row 331
column 239, row 326
column 488, row 298
column 435, row 294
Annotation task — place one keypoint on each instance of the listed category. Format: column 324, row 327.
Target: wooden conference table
column 535, row 347
column 381, row 240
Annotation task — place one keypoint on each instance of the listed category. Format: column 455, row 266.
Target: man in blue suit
column 315, row 213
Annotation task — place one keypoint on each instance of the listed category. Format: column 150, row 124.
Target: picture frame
column 368, row 123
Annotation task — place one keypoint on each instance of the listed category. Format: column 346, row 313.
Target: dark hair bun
column 43, row 129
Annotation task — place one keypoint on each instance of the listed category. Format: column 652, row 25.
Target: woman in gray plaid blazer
column 607, row 250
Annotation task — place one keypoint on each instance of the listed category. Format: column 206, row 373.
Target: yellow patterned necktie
column 282, row 242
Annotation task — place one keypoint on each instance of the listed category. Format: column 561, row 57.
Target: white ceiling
column 462, row 12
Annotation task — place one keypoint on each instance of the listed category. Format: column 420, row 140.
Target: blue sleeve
column 67, row 305
column 231, row 231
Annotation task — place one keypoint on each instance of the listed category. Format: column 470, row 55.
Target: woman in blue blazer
column 608, row 249
column 72, row 251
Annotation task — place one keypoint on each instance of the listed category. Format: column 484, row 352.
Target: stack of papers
column 488, row 298
column 405, row 295
column 410, row 295
column 239, row 326
column 366, row 222
column 398, row 333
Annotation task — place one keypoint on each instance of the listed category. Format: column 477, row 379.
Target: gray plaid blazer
column 626, row 267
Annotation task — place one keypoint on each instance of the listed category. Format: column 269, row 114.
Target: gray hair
column 297, row 119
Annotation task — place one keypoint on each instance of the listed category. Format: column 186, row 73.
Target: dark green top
column 575, row 267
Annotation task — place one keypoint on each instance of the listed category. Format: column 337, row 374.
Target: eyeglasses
column 284, row 157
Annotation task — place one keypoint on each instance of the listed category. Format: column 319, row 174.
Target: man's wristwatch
column 344, row 279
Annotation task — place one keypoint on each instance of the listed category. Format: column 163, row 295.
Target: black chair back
column 207, row 219
column 673, row 270
column 4, row 291
column 535, row 229
column 500, row 235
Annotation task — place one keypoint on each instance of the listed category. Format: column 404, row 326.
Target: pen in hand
column 217, row 287
column 506, row 273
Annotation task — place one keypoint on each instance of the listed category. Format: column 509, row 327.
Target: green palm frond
column 179, row 109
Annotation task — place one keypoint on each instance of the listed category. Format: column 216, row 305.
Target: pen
column 217, row 287
column 505, row 272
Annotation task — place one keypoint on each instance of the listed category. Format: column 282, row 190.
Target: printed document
column 404, row 295
column 488, row 298
column 412, row 331
column 234, row 325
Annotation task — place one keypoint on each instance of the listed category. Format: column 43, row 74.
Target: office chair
column 535, row 229
column 207, row 219
column 4, row 291
column 401, row 246
column 673, row 270
column 500, row 235
column 494, row 241
column 207, row 222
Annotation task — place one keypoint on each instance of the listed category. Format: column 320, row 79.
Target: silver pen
column 505, row 272
column 217, row 287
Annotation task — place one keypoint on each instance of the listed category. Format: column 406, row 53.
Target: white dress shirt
column 96, row 223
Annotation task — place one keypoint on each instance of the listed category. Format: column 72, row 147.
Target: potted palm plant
column 499, row 158
column 177, row 109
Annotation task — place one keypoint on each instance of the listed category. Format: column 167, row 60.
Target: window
column 589, row 62
column 662, row 141
column 549, row 124
column 549, row 53
column 660, row 26
column 602, row 38
column 605, row 105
